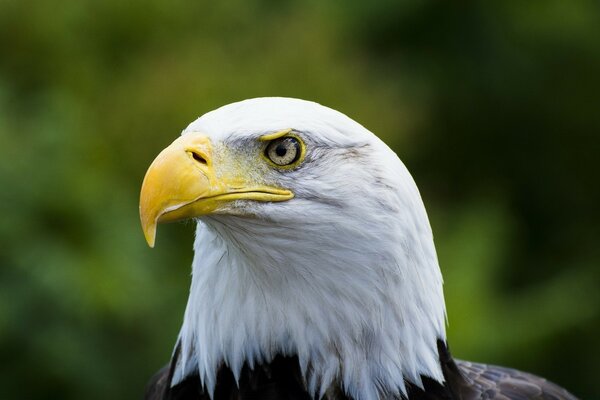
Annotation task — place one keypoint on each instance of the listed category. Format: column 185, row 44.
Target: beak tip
column 150, row 241
column 150, row 234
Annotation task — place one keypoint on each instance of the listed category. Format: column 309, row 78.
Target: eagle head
column 312, row 241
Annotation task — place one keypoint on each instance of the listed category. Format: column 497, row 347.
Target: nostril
column 198, row 157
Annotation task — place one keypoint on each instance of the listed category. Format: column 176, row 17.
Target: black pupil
column 280, row 150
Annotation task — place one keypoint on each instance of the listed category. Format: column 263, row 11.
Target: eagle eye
column 285, row 151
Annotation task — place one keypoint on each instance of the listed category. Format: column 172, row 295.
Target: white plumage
column 364, row 306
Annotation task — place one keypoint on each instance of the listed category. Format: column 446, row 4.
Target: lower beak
column 181, row 183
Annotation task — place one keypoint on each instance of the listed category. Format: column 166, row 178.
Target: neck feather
column 363, row 312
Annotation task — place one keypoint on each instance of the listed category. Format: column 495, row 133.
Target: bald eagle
column 315, row 273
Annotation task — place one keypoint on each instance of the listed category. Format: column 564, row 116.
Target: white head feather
column 344, row 275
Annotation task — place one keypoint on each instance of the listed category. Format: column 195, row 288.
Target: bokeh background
column 493, row 106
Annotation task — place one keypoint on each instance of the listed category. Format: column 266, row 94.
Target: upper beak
column 181, row 183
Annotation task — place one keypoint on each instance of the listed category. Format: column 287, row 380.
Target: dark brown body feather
column 281, row 380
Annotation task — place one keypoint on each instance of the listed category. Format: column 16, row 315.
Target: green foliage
column 492, row 105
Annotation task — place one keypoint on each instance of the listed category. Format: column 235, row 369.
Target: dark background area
column 493, row 106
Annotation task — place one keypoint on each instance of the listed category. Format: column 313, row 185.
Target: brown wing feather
column 485, row 382
column 156, row 386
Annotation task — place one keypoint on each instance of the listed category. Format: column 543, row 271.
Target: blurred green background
column 493, row 106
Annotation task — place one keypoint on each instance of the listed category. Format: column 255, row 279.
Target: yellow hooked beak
column 181, row 183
